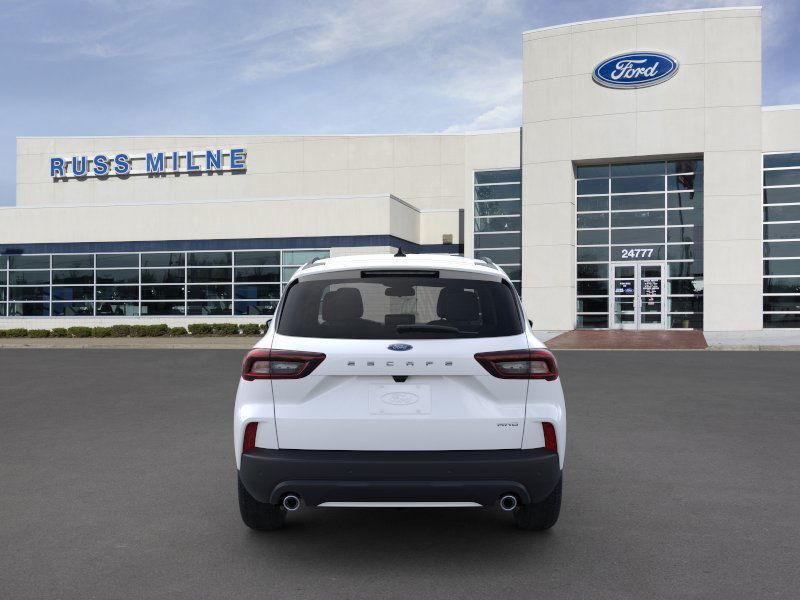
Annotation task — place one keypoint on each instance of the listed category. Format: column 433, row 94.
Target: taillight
column 550, row 437
column 279, row 364
column 520, row 364
column 250, row 432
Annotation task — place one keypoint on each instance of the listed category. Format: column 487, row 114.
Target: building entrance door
column 636, row 298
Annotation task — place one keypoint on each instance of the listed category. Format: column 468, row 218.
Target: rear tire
column 542, row 515
column 260, row 516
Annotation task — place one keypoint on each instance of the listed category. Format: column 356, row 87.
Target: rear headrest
column 458, row 305
column 344, row 303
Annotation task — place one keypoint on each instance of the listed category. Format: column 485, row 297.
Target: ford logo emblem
column 400, row 347
column 635, row 70
column 399, row 398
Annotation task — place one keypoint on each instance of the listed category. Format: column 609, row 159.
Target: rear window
column 407, row 307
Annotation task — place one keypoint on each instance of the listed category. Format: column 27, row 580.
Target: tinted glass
column 593, row 305
column 498, row 176
column 29, row 277
column 379, row 307
column 782, row 195
column 255, row 291
column 118, row 292
column 782, row 267
column 29, row 293
column 209, row 292
column 209, row 308
column 257, row 258
column 776, row 249
column 301, row 257
column 257, row 274
column 782, row 285
column 680, row 269
column 117, row 260
column 782, row 160
column 209, row 259
column 680, row 234
column 73, row 309
column 782, row 303
column 116, row 309
column 592, row 271
column 209, row 275
column 592, row 220
column 592, row 288
column 163, row 275
column 592, row 236
column 637, row 218
column 588, row 171
column 684, row 166
column 684, row 199
column 163, row 259
column 782, row 213
column 162, row 308
column 73, row 261
column 498, row 240
column 782, row 231
column 788, row 177
column 73, row 277
column 83, row 292
column 118, row 276
column 637, row 236
column 683, row 217
column 498, row 224
column 504, row 207
column 501, row 257
column 593, row 321
column 592, row 203
column 593, row 186
column 495, row 192
column 28, row 309
column 637, row 184
column 680, row 252
column 162, row 292
column 591, row 254
column 652, row 168
column 684, row 182
column 29, row 262
column 637, row 202
column 254, row 307
column 788, row 320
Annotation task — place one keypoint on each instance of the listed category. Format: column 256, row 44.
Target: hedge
column 195, row 329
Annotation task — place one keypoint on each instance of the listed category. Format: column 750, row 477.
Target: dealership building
column 646, row 188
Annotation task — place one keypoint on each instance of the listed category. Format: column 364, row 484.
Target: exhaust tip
column 508, row 502
column 291, row 502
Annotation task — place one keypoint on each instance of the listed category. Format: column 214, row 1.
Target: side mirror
column 530, row 322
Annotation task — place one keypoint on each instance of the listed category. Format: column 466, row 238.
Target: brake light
column 550, row 437
column 520, row 364
column 250, row 432
column 279, row 364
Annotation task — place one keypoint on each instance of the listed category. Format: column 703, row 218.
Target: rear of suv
column 405, row 380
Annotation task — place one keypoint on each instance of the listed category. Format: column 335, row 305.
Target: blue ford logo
column 635, row 70
column 400, row 347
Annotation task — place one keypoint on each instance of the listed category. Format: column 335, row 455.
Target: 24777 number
column 637, row 252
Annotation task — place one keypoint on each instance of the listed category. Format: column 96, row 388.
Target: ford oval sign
column 635, row 70
column 400, row 347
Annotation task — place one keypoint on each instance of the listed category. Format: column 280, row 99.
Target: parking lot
column 117, row 481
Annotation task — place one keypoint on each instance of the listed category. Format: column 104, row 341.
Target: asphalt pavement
column 117, row 480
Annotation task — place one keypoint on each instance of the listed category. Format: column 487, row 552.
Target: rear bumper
column 319, row 476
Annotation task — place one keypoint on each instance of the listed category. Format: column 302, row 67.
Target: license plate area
column 394, row 399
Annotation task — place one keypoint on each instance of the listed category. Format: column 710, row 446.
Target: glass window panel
column 209, row 259
column 164, row 259
column 636, row 184
column 220, row 307
column 680, row 269
column 592, row 220
column 2, row 277
column 255, row 308
column 782, row 267
column 498, row 224
column 210, row 275
column 73, row 261
column 113, row 261
column 788, row 177
column 301, row 257
column 637, row 202
column 288, row 272
column 787, row 320
column 513, row 272
column 209, row 292
column 498, row 240
column 592, row 186
column 162, row 292
column 162, row 309
column 73, row 309
column 789, row 159
column 117, row 309
column 684, row 286
column 680, row 252
column 782, row 195
column 262, row 257
column 3, row 306
column 163, row 276
column 590, row 171
column 648, row 168
column 41, row 261
column 592, row 288
column 83, row 292
column 256, row 291
column 782, row 285
column 28, row 309
column 638, row 252
column 117, row 292
column 590, row 254
column 685, row 200
column 499, row 176
column 2, row 294
column 29, row 277
column 637, row 236
column 592, row 271
column 638, row 218
column 118, row 276
column 504, row 207
column 778, row 249
column 592, row 203
column 682, row 217
column 684, row 182
column 496, row 192
column 257, row 274
column 684, row 166
column 694, row 304
column 680, row 234
column 592, row 236
column 782, row 213
column 782, row 231
column 592, row 321
column 501, row 257
column 782, row 303
column 593, row 305
column 29, row 293
column 694, row 321
column 64, row 277
column 3, row 262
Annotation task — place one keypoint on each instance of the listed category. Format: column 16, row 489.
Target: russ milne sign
column 635, row 70
column 151, row 163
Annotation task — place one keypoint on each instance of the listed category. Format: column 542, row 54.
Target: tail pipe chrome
column 291, row 502
column 508, row 502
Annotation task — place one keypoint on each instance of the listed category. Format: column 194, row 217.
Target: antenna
column 400, row 253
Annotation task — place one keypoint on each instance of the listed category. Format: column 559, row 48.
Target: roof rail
column 489, row 262
column 309, row 263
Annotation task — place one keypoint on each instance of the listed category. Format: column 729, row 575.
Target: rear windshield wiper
column 423, row 327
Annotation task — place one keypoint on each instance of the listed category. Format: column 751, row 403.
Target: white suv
column 405, row 380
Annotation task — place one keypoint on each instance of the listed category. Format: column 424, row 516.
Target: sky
column 173, row 67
